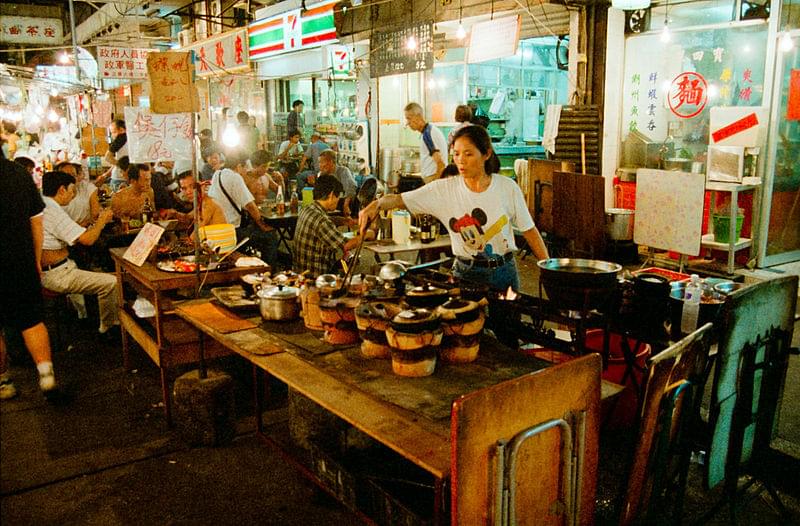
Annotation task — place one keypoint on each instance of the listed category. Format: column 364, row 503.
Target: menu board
column 493, row 39
column 146, row 240
column 172, row 88
column 390, row 53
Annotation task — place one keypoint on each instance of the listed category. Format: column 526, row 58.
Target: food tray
column 233, row 297
column 669, row 274
column 183, row 265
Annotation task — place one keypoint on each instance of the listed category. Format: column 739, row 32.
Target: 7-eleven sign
column 340, row 61
column 292, row 31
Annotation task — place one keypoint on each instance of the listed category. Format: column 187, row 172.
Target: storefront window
column 692, row 13
column 670, row 88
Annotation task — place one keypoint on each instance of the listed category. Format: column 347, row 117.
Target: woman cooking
column 480, row 209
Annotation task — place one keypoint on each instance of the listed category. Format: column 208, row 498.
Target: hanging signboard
column 493, row 39
column 793, row 98
column 340, row 61
column 122, row 62
column 154, row 137
column 292, row 30
column 172, row 89
column 30, row 30
column 392, row 52
column 222, row 54
column 65, row 74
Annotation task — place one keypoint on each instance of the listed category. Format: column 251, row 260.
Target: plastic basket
column 722, row 225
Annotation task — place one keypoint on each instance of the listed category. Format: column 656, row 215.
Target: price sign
column 392, row 55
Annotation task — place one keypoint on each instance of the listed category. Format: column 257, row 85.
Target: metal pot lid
column 426, row 290
column 579, row 266
column 414, row 316
column 279, row 292
column 328, row 280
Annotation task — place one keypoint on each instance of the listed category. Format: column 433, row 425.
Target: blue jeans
column 499, row 280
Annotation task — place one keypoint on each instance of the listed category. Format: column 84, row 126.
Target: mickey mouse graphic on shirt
column 476, row 240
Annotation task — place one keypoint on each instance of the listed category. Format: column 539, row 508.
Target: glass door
column 780, row 235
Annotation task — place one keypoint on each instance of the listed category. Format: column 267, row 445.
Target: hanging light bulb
column 52, row 116
column 411, row 43
column 786, row 43
column 63, row 58
column 230, row 136
column 666, row 36
column 461, row 33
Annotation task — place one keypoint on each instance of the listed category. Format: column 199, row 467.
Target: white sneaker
column 7, row 388
column 47, row 378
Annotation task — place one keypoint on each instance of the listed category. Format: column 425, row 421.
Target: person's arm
column 94, row 205
column 535, row 241
column 100, row 179
column 440, row 164
column 387, row 202
column 255, row 214
column 284, row 151
column 91, row 234
column 110, row 158
column 37, row 233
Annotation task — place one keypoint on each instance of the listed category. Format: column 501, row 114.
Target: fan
column 637, row 21
column 751, row 10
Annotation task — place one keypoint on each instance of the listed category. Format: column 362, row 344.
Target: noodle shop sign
column 688, row 94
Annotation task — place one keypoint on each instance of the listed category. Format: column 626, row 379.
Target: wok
column 578, row 284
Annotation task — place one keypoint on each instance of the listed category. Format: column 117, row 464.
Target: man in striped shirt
column 61, row 274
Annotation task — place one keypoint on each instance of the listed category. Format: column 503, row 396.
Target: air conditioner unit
column 185, row 37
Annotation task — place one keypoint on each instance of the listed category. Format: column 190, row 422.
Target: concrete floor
column 104, row 455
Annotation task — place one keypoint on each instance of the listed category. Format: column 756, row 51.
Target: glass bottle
column 294, row 201
column 147, row 211
column 280, row 204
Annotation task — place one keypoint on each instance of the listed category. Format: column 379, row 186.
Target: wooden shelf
column 709, row 242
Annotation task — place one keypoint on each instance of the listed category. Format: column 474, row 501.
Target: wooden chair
column 660, row 461
column 56, row 310
column 525, row 451
column 755, row 339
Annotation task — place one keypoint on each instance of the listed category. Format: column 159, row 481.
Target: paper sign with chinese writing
column 221, row 54
column 493, row 39
column 146, row 240
column 172, row 88
column 154, row 137
column 738, row 125
column 101, row 112
column 122, row 62
column 57, row 73
column 30, row 30
column 793, row 101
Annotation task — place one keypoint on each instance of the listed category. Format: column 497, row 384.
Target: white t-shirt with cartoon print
column 479, row 223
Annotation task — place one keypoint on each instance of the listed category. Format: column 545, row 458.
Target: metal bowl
column 728, row 287
column 578, row 284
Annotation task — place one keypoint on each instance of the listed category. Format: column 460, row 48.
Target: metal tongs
column 366, row 194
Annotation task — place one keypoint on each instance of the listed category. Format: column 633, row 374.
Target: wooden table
column 390, row 249
column 165, row 338
column 409, row 415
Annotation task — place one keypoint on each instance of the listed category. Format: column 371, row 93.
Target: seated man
column 309, row 164
column 128, row 202
column 208, row 153
column 164, row 185
column 261, row 180
column 328, row 166
column 59, row 273
column 318, row 244
column 289, row 154
column 210, row 211
column 230, row 192
column 85, row 206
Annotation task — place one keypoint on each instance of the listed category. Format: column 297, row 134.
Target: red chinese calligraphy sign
column 793, row 99
column 688, row 94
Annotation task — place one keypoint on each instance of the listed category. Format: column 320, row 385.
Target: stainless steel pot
column 279, row 303
column 578, row 284
column 619, row 224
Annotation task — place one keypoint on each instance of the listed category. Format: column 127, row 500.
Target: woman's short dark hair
column 297, row 103
column 463, row 113
column 479, row 137
column 52, row 181
column 326, row 184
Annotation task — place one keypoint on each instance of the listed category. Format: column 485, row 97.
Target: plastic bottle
column 691, row 304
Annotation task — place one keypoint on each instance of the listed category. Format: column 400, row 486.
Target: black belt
column 55, row 265
column 495, row 262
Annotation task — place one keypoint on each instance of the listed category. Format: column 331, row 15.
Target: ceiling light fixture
column 786, row 43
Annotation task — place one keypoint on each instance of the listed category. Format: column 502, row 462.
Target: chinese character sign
column 221, row 54
column 172, row 88
column 154, row 137
column 688, row 94
column 122, row 62
column 30, row 30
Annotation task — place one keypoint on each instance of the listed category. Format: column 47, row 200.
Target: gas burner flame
column 509, row 295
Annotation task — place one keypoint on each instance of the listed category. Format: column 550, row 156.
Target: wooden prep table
column 165, row 338
column 411, row 416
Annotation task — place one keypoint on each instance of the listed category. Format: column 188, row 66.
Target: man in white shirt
column 85, row 206
column 230, row 192
column 116, row 151
column 432, row 144
column 61, row 274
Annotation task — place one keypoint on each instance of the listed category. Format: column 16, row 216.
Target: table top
column 415, row 244
column 155, row 279
column 409, row 415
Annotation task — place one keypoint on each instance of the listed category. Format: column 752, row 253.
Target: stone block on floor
column 204, row 408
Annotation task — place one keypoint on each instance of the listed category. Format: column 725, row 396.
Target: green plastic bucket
column 722, row 225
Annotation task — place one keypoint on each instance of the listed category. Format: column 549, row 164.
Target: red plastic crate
column 624, row 194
